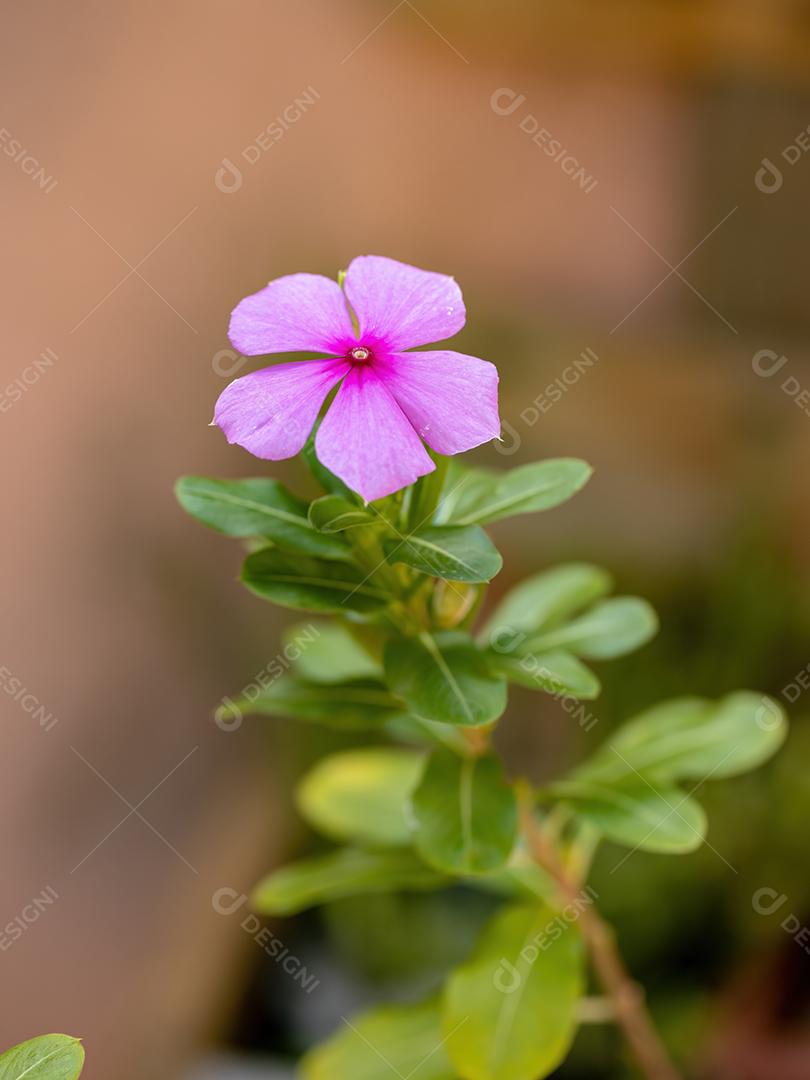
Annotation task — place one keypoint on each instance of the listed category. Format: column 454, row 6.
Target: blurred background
column 620, row 189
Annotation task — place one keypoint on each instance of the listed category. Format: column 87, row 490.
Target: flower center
column 360, row 354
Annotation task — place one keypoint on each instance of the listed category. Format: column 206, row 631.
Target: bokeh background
column 159, row 161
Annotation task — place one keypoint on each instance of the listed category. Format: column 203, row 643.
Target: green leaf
column 466, row 814
column 324, row 652
column 483, row 498
column 509, row 1012
column 392, row 1041
column 557, row 672
column 638, row 814
column 48, row 1057
column 462, row 486
column 348, row 872
column 541, row 623
column 256, row 507
column 521, row 880
column 547, row 599
column 334, row 514
column 311, row 585
column 452, row 552
column 361, row 796
column 445, row 679
column 611, row 628
column 354, row 705
column 693, row 739
column 425, row 734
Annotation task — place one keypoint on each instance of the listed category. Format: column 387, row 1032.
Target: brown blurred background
column 421, row 130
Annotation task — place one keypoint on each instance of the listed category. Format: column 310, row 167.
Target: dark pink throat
column 360, row 354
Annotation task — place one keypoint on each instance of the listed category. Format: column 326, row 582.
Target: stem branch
column 626, row 996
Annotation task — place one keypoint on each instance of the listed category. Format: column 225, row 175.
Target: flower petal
column 401, row 306
column 299, row 312
column 271, row 412
column 451, row 399
column 366, row 439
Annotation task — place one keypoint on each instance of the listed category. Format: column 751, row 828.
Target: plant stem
column 371, row 556
column 626, row 996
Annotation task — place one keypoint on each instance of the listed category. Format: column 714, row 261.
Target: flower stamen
column 360, row 354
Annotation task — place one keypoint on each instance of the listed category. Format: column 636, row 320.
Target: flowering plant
column 395, row 552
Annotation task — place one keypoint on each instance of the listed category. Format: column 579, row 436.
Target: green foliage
column 558, row 672
column 693, row 739
column 354, row 705
column 335, row 514
column 360, row 796
column 628, row 789
column 256, row 507
column 510, row 1011
column 306, row 584
column 443, row 678
column 324, row 652
column 347, row 872
column 638, row 813
column 610, row 629
column 48, row 1057
column 544, row 627
column 465, row 814
column 451, row 552
column 405, row 578
column 405, row 1040
column 481, row 497
column 545, row 600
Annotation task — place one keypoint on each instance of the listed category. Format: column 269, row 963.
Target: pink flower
column 389, row 399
